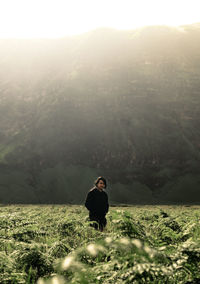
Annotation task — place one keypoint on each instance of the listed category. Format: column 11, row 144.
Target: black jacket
column 97, row 202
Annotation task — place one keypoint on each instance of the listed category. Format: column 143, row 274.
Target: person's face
column 101, row 185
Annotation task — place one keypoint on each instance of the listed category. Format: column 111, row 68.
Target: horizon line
column 96, row 29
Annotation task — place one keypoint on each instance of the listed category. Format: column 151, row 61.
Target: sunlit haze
column 59, row 18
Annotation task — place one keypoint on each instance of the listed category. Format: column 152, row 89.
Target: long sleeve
column 97, row 202
column 107, row 204
column 89, row 203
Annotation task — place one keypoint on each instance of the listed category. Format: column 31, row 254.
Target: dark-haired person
column 97, row 203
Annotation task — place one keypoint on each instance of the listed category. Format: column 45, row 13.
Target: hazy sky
column 57, row 18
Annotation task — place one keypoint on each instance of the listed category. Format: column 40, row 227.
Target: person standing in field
column 97, row 203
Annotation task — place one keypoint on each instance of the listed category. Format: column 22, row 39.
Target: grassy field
column 141, row 244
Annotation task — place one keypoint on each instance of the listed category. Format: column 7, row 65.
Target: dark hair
column 100, row 178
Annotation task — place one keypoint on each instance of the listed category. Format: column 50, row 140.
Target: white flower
column 125, row 241
column 67, row 262
column 137, row 243
column 92, row 249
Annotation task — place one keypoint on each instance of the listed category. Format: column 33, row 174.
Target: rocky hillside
column 123, row 104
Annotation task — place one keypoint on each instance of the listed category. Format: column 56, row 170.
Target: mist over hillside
column 123, row 104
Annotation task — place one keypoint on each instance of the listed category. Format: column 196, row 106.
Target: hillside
column 124, row 104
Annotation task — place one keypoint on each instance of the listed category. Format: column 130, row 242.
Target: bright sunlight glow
column 59, row 18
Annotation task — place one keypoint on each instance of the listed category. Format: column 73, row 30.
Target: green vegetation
column 141, row 244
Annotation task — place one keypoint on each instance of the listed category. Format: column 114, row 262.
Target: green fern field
column 141, row 244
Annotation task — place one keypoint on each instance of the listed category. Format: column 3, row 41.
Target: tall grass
column 56, row 244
